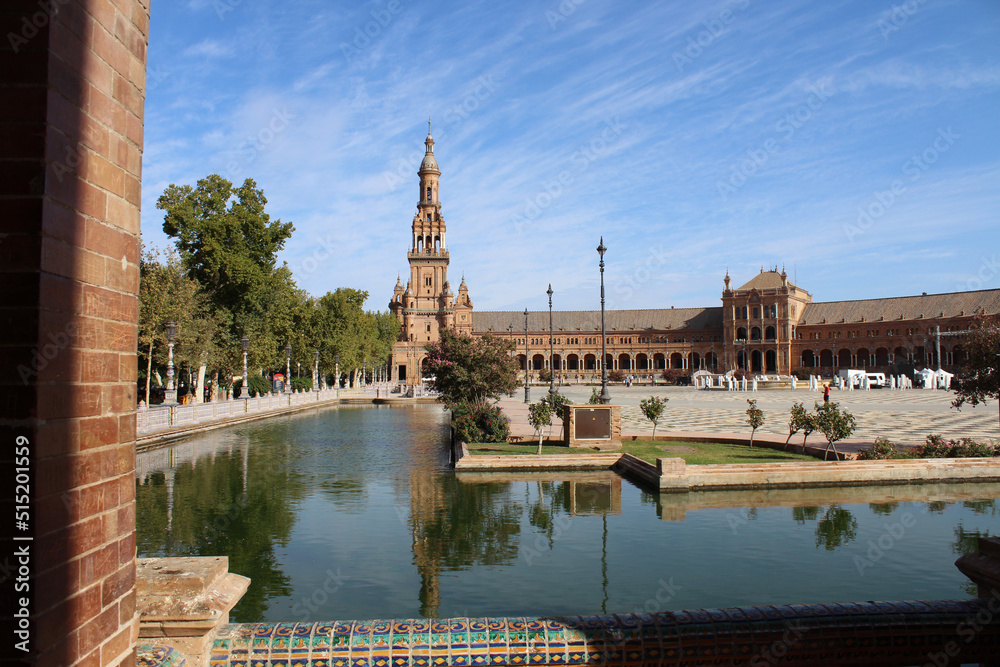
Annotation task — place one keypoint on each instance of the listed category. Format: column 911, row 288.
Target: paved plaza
column 905, row 417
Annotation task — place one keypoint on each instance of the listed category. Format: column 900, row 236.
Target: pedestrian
column 826, row 392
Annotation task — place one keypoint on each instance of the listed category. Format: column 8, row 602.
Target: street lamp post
column 527, row 360
column 246, row 380
column 170, row 396
column 288, row 364
column 552, row 356
column 336, row 371
column 316, row 371
column 605, row 396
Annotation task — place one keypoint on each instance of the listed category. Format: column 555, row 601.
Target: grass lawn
column 507, row 448
column 693, row 453
column 698, row 453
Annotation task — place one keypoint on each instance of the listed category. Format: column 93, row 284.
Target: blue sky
column 856, row 143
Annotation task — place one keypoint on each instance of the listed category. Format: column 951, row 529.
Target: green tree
column 539, row 416
column 229, row 244
column 979, row 379
column 167, row 294
column 799, row 419
column 652, row 409
column 755, row 417
column 834, row 423
column 471, row 370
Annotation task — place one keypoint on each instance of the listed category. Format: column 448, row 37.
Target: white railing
column 161, row 417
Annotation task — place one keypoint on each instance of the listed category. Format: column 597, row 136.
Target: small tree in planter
column 652, row 409
column 799, row 420
column 755, row 417
column 834, row 423
column 595, row 397
column 539, row 416
column 556, row 401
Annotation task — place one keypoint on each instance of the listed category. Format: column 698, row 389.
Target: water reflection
column 354, row 513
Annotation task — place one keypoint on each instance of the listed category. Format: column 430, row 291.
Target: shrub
column 544, row 375
column 595, row 397
column 937, row 447
column 479, row 423
column 880, row 450
column 652, row 409
column 259, row 385
column 302, row 384
column 616, row 375
column 674, row 376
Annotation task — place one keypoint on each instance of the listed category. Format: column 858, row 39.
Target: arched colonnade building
column 768, row 325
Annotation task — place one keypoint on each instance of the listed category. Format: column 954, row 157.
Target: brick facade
column 73, row 85
column 768, row 325
column 427, row 305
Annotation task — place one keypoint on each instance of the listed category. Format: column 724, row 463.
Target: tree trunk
column 149, row 371
column 751, row 437
column 654, row 431
column 787, row 439
column 539, row 443
column 200, row 391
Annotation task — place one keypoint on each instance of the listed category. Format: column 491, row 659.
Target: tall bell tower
column 427, row 304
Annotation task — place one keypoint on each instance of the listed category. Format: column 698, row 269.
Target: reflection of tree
column 936, row 506
column 883, row 509
column 982, row 507
column 837, row 528
column 455, row 526
column 551, row 498
column 803, row 514
column 219, row 512
column 967, row 543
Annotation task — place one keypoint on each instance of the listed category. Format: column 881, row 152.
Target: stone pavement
column 905, row 417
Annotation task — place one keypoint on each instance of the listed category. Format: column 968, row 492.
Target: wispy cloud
column 325, row 106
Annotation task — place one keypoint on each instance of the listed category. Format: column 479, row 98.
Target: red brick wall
column 72, row 85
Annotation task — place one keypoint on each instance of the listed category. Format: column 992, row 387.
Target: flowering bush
column 880, row 450
column 477, row 422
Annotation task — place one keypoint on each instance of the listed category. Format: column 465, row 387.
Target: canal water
column 352, row 512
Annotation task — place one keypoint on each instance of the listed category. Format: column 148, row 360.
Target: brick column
column 72, row 80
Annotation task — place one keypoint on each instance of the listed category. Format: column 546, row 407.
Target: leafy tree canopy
column 979, row 378
column 473, row 370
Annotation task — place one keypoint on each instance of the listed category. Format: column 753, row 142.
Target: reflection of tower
column 427, row 498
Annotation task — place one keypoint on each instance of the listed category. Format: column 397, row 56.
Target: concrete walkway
column 905, row 417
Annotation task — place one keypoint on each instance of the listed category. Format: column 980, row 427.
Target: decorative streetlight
column 288, row 365
column 605, row 396
column 552, row 356
column 246, row 380
column 170, row 396
column 316, row 372
column 336, row 371
column 527, row 395
column 510, row 336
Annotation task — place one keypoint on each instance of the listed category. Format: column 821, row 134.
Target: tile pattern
column 877, row 632
column 149, row 655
